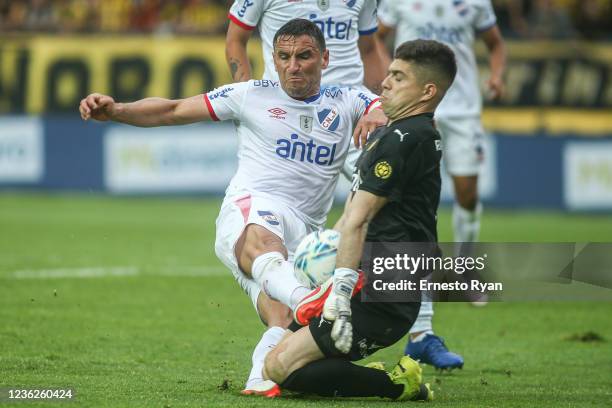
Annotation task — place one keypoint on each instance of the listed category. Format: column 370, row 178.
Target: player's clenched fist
column 97, row 106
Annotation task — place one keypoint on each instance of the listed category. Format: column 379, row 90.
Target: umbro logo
column 277, row 113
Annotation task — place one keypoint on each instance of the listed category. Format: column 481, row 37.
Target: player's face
column 402, row 91
column 299, row 62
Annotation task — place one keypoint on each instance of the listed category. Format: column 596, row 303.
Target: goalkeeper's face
column 299, row 62
column 405, row 92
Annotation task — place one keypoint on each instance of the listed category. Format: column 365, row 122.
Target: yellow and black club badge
column 383, row 170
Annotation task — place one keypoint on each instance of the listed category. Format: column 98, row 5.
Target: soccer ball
column 315, row 257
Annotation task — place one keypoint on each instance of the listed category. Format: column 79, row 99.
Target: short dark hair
column 298, row 27
column 433, row 61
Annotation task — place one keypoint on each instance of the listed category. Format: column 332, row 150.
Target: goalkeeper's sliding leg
column 307, row 360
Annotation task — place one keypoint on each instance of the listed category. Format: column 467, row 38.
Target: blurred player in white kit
column 455, row 23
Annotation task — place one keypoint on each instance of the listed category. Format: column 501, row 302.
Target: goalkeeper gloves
column 337, row 308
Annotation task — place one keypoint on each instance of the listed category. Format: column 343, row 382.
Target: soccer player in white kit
column 348, row 27
column 456, row 24
column 293, row 140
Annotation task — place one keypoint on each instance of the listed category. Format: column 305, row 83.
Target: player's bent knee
column 466, row 191
column 254, row 241
column 468, row 200
column 258, row 240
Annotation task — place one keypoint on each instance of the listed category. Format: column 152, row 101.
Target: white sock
column 268, row 341
column 275, row 276
column 423, row 322
column 466, row 224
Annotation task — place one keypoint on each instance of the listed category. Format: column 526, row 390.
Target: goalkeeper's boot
column 408, row 373
column 432, row 350
column 425, row 393
column 312, row 304
column 265, row 388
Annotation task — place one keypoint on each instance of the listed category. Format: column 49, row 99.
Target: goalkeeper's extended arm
column 362, row 208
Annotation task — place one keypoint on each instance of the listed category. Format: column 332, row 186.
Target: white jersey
column 289, row 150
column 453, row 22
column 341, row 21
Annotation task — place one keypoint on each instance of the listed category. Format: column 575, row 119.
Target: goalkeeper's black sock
column 335, row 377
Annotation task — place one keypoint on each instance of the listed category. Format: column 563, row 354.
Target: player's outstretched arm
column 375, row 62
column 380, row 38
column 236, row 52
column 361, row 210
column 497, row 62
column 146, row 112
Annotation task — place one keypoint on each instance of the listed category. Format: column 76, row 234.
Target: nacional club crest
column 268, row 217
column 323, row 4
column 329, row 119
column 306, row 123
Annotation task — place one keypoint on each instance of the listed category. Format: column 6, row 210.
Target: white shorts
column 462, row 140
column 240, row 210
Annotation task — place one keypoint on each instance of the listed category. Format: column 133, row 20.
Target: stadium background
column 104, row 201
column 550, row 144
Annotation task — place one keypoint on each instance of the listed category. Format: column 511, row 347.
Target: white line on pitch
column 113, row 271
column 89, row 272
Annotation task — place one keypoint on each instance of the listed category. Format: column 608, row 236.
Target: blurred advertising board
column 588, row 175
column 50, row 154
column 21, row 150
column 169, row 160
column 570, row 74
column 559, row 94
column 41, row 74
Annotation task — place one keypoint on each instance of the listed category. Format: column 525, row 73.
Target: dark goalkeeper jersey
column 402, row 162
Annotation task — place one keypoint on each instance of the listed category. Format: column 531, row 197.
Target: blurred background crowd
column 115, row 16
column 529, row 19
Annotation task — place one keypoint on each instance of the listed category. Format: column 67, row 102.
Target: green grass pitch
column 171, row 328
